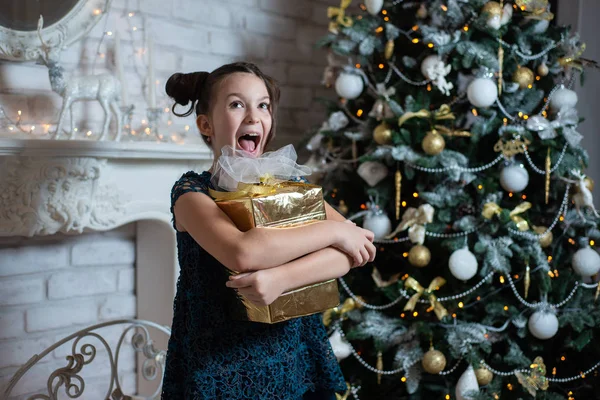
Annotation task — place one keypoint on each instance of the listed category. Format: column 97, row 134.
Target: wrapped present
column 258, row 193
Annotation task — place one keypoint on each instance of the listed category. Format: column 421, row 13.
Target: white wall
column 52, row 286
column 190, row 35
column 583, row 16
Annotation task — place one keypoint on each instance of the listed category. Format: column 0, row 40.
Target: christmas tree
column 454, row 139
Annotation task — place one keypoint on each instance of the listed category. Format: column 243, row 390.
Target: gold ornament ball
column 419, row 256
column 484, row 376
column 524, row 77
column 493, row 8
column 382, row 134
column 545, row 240
column 434, row 361
column 543, row 70
column 433, row 143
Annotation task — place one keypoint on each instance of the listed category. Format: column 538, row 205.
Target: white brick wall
column 52, row 286
column 190, row 35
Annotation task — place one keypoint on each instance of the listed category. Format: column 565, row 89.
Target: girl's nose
column 251, row 119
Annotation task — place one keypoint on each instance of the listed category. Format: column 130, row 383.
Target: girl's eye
column 265, row 106
column 236, row 104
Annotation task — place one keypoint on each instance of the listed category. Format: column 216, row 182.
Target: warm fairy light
column 537, row 78
column 505, row 308
column 529, row 86
column 33, row 128
column 359, row 17
column 97, row 11
column 404, row 254
column 571, row 241
column 505, row 121
column 109, row 33
column 379, row 29
column 359, row 113
column 133, row 132
column 415, row 314
column 161, row 136
column 510, row 195
column 554, row 371
column 516, row 276
column 405, row 277
column 501, row 279
column 415, row 28
column 143, row 122
column 131, row 14
column 549, row 258
column 75, row 129
column 466, row 28
column 447, row 397
column 19, row 112
column 363, row 206
column 453, row 315
column 415, row 40
column 135, row 28
column 479, row 187
column 545, row 114
column 187, row 128
column 478, row 298
column 430, row 309
column 521, row 114
column 429, row 87
column 562, row 218
column 381, row 66
column 487, row 336
column 430, row 45
column 169, row 122
column 524, row 197
column 363, row 7
column 402, row 315
column 444, row 8
column 563, row 358
column 474, row 111
column 403, row 204
column 523, row 8
column 551, row 274
column 461, row 304
column 415, row 195
column 88, row 133
column 147, row 130
column 582, row 375
column 403, row 379
column 526, row 117
column 384, row 12
column 496, row 396
column 592, row 243
column 509, row 386
column 386, row 19
column 357, row 65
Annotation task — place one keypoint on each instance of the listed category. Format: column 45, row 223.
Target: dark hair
column 197, row 88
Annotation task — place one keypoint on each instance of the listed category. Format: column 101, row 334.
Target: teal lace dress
column 213, row 357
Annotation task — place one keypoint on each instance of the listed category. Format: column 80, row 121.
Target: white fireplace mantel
column 50, row 186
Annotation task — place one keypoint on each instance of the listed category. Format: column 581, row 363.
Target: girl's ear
column 204, row 125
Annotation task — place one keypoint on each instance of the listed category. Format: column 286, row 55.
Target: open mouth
column 249, row 142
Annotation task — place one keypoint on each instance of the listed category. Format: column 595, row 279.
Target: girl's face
column 240, row 115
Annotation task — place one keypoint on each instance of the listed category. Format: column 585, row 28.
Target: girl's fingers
column 239, row 283
column 238, row 276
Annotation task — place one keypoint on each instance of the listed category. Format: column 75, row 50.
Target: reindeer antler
column 577, row 173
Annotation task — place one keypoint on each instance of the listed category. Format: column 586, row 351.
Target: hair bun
column 184, row 88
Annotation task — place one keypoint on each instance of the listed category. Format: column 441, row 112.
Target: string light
column 381, row 66
column 461, row 304
column 430, row 45
column 502, row 279
column 97, row 11
column 415, row 40
column 357, row 65
column 592, row 243
column 379, row 29
column 480, row 187
column 131, row 14
column 444, row 8
column 415, row 314
column 359, row 113
column 384, row 12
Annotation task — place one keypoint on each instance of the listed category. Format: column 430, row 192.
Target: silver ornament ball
column 514, row 178
column 543, row 325
column 463, row 264
column 349, row 86
column 379, row 224
column 586, row 262
column 482, row 92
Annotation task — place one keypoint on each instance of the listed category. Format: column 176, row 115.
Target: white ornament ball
column 463, row 264
column 541, row 26
column 514, row 178
column 586, row 262
column 466, row 383
column 428, row 62
column 379, row 224
column 341, row 349
column 349, row 86
column 482, row 92
column 374, row 6
column 563, row 98
column 543, row 325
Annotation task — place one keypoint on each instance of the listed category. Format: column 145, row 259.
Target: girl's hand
column 356, row 242
column 260, row 287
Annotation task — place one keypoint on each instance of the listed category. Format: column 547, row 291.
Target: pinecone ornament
column 465, row 209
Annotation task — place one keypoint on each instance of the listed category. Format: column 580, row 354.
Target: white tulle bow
column 567, row 119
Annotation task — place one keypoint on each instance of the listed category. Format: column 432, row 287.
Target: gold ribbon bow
column 491, row 209
column 574, row 60
column 535, row 9
column 450, row 132
column 340, row 14
column 435, row 284
column 267, row 186
column 346, row 395
column 444, row 113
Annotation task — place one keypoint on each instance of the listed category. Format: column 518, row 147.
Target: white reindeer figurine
column 584, row 197
column 105, row 88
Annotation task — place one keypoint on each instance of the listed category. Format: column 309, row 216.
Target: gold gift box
column 284, row 205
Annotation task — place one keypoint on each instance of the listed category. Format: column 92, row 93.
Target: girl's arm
column 262, row 248
column 264, row 286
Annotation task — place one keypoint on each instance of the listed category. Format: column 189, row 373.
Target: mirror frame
column 25, row 45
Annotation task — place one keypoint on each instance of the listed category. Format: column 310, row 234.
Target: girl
column 210, row 356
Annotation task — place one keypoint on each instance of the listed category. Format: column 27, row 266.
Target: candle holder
column 153, row 114
column 126, row 120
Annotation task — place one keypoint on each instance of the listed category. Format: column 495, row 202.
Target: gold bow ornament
column 435, row 284
column 491, row 209
column 341, row 19
column 535, row 9
column 414, row 219
column 574, row 59
column 444, row 113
